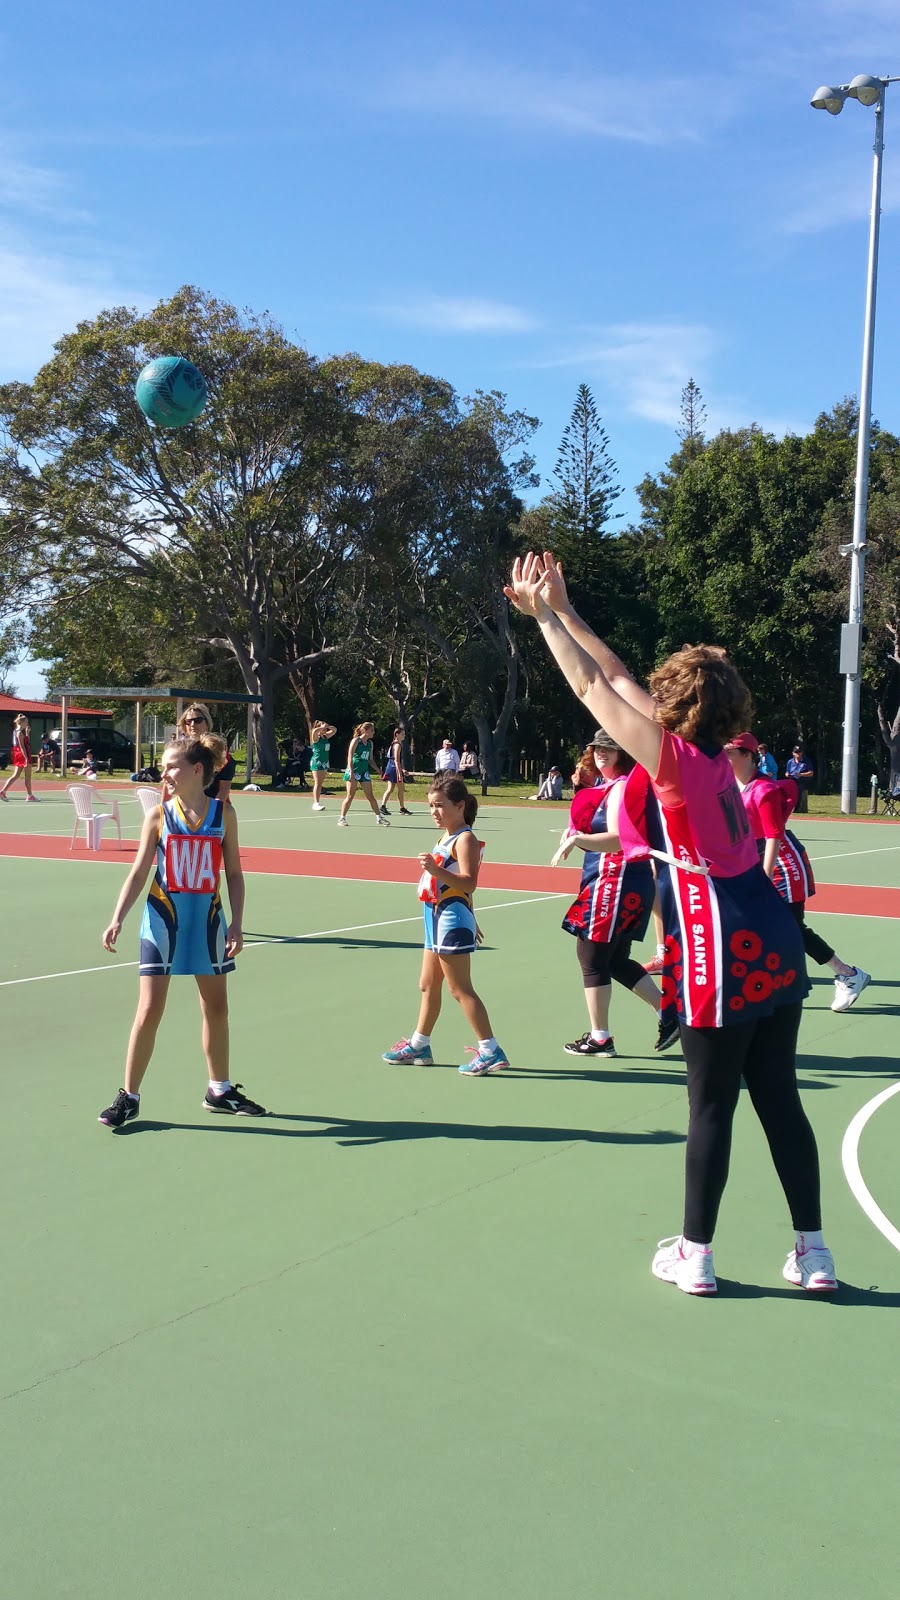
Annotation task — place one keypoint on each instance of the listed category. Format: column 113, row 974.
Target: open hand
column 525, row 585
column 553, row 586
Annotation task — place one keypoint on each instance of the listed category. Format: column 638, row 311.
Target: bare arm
column 771, row 856
column 616, row 673
column 137, row 877
column 234, row 877
column 468, row 857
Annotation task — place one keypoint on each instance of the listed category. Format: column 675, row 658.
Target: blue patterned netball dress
column 183, row 931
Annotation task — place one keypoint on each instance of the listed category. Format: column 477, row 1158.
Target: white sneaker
column 382, row 822
column 317, row 805
column 693, row 1273
column 811, row 1269
column 343, row 823
column 34, row 800
column 848, row 988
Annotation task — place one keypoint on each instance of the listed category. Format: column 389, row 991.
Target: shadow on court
column 351, row 1132
column 346, row 942
column 848, row 1294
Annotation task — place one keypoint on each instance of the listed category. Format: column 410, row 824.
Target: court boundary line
column 852, row 1172
column 287, row 938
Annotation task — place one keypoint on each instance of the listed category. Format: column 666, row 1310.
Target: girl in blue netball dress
column 189, row 837
column 359, row 773
column 448, row 882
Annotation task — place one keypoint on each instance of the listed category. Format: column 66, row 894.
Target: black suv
column 111, row 749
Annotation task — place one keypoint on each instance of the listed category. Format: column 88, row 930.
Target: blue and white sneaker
column 483, row 1061
column 405, row 1054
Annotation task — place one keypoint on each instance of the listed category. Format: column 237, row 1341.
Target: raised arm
column 554, row 591
column 630, row 725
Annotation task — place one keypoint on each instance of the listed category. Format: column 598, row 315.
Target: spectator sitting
column 295, row 766
column 89, row 766
column 447, row 759
column 551, row 787
column 46, row 754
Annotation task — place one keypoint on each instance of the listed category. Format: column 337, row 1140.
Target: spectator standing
column 801, row 769
column 447, row 758
column 768, row 766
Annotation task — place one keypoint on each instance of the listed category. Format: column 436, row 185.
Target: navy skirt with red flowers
column 734, row 954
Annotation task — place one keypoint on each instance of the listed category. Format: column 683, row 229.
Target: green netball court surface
column 400, row 1339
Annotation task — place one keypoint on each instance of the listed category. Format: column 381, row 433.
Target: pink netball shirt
column 765, row 808
column 733, row 950
column 768, row 806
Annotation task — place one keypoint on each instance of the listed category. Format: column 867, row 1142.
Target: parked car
column 111, row 749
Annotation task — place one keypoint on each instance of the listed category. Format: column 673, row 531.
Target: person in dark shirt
column 801, row 769
column 193, row 723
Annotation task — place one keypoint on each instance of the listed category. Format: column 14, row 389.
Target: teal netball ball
column 171, row 391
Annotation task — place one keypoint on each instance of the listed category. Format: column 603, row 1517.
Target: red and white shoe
column 655, row 967
column 811, row 1269
column 691, row 1269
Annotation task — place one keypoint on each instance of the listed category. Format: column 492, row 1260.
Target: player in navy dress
column 735, row 972
column 189, row 838
column 614, row 902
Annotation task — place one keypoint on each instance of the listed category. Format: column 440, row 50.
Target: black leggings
column 763, row 1052
column 600, row 963
column 812, row 944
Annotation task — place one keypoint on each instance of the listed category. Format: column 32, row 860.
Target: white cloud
column 38, row 191
column 840, row 192
column 462, row 314
column 645, row 364
column 628, row 107
column 43, row 296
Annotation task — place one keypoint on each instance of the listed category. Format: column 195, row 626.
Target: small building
column 44, row 716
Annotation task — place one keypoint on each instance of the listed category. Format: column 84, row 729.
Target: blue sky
column 522, row 196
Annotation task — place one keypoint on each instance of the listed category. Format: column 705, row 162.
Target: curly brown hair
column 700, row 695
column 587, row 771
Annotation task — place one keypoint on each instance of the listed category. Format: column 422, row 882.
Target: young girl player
column 448, row 882
column 321, row 735
column 21, row 759
column 358, row 774
column 190, row 837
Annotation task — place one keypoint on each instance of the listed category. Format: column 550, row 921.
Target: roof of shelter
column 11, row 705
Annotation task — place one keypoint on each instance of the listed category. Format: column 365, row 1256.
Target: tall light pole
column 869, row 92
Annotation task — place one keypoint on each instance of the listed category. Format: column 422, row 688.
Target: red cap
column 744, row 741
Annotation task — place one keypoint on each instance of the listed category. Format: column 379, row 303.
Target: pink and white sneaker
column 811, row 1269
column 656, row 966
column 686, row 1265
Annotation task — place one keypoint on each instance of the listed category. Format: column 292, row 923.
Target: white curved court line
column 850, row 1159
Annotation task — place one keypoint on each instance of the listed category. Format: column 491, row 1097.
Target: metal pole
column 64, row 735
column 249, row 778
column 850, row 764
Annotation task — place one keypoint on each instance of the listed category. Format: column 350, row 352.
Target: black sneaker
column 586, row 1046
column 122, row 1110
column 233, row 1102
column 404, row 812
column 384, row 811
column 669, row 1033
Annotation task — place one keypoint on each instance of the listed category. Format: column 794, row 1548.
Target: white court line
column 113, row 965
column 850, row 1159
column 879, row 850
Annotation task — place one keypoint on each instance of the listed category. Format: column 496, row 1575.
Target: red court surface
column 846, row 899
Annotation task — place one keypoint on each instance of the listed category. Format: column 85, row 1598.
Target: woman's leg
column 348, row 801
column 715, row 1059
column 431, row 983
column 13, row 778
column 317, row 786
column 389, row 789
column 26, row 774
column 630, row 974
column 457, row 972
column 593, row 959
column 770, row 1072
column 400, row 794
column 152, row 998
column 370, row 796
column 213, row 989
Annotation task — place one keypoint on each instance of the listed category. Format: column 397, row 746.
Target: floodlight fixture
column 829, row 99
column 865, row 89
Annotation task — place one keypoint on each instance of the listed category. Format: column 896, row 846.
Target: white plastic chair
column 148, row 797
column 82, row 799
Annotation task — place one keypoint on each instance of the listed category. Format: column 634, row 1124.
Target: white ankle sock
column 599, row 1035
column 419, row 1040
column 487, row 1045
column 690, row 1248
column 809, row 1241
column 660, row 950
column 220, row 1088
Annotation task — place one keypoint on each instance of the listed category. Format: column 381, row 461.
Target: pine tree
column 693, row 420
column 584, row 473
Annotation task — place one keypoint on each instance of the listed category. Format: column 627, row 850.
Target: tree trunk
column 890, row 733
